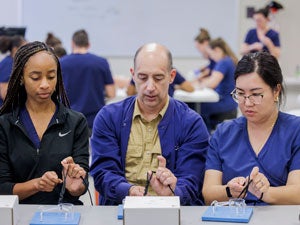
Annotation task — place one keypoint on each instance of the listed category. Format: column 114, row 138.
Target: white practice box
column 9, row 209
column 149, row 210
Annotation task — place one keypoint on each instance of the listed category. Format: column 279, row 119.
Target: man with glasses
column 149, row 144
column 256, row 156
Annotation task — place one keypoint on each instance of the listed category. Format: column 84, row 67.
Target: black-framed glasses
column 245, row 190
column 240, row 98
column 63, row 187
column 149, row 177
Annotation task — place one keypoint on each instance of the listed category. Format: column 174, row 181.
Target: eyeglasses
column 149, row 177
column 63, row 188
column 245, row 190
column 240, row 98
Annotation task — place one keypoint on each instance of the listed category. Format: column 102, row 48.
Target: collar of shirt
column 137, row 111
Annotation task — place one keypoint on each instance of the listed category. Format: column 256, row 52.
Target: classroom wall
column 11, row 13
column 233, row 30
column 119, row 27
column 222, row 18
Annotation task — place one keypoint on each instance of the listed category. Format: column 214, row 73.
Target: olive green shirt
column 143, row 147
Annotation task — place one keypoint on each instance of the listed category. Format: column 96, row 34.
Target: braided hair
column 16, row 93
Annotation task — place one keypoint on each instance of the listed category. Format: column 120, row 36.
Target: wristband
column 229, row 195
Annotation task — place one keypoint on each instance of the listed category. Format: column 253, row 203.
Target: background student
column 8, row 44
column 87, row 78
column 222, row 81
column 262, row 38
column 202, row 45
column 56, row 44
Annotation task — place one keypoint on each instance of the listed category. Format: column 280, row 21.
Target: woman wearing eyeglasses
column 256, row 156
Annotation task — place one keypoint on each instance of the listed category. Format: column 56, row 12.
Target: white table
column 190, row 215
column 120, row 95
column 197, row 96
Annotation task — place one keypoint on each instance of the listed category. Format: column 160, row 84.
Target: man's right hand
column 136, row 191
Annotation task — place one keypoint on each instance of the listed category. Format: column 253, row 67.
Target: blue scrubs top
column 211, row 64
column 5, row 70
column 252, row 37
column 85, row 77
column 231, row 153
column 225, row 66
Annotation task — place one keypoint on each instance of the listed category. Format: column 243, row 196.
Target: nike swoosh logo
column 64, row 134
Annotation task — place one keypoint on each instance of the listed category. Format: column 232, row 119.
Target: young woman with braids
column 43, row 143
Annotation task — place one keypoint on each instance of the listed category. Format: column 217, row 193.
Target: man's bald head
column 155, row 49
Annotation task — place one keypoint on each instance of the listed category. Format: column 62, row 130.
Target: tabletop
column 190, row 215
column 199, row 95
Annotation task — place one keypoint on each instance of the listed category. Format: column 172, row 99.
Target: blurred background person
column 56, row 44
column 87, row 78
column 202, row 45
column 262, row 38
column 8, row 44
column 222, row 81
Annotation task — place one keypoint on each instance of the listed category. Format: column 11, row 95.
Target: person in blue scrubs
column 202, row 45
column 262, row 38
column 8, row 44
column 258, row 152
column 222, row 81
column 87, row 78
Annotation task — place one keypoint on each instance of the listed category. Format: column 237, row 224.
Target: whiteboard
column 119, row 27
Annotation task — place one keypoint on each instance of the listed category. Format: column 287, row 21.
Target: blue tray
column 227, row 214
column 54, row 218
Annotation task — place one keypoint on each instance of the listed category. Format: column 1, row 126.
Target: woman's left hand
column 73, row 174
column 260, row 184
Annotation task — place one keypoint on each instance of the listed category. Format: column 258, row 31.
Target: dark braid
column 16, row 93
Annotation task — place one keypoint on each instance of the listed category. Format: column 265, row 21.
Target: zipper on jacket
column 37, row 151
